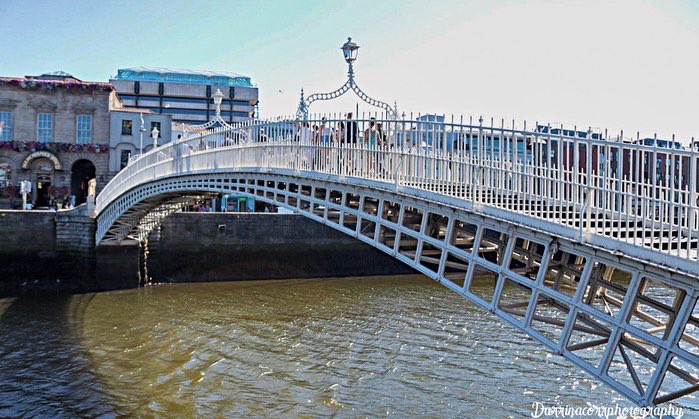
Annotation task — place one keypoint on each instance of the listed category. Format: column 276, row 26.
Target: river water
column 345, row 347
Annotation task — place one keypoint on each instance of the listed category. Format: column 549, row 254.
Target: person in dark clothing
column 352, row 129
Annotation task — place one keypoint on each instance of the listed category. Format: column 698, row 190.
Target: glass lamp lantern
column 349, row 50
column 218, row 98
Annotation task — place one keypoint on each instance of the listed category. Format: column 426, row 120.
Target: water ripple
column 336, row 347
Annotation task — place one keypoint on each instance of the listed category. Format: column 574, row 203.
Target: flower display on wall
column 58, row 193
column 5, row 174
column 9, row 191
column 33, row 146
column 55, row 84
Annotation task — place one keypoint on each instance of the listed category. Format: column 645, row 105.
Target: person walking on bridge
column 306, row 137
column 326, row 134
column 352, row 134
column 352, row 130
column 371, row 145
column 371, row 135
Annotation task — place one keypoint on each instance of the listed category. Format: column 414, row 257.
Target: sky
column 615, row 64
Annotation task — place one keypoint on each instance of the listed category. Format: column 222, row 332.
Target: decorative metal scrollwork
column 350, row 84
column 218, row 96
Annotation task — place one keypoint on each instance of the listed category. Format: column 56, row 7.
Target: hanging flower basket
column 32, row 146
column 56, row 84
column 9, row 191
column 58, row 193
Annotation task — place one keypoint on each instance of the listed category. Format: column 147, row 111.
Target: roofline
column 184, row 71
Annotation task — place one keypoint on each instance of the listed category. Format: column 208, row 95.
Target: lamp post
column 25, row 188
column 218, row 98
column 154, row 135
column 142, row 130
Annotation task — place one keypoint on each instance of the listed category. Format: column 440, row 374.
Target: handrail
column 631, row 192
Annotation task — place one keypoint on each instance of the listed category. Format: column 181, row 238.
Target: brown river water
column 348, row 347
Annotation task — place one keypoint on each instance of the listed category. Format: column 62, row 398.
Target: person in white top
column 305, row 136
column 326, row 132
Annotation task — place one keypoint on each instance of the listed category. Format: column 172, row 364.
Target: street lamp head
column 349, row 50
column 218, row 98
column 154, row 134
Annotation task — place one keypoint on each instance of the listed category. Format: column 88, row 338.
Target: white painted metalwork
column 598, row 188
column 350, row 50
column 588, row 245
column 217, row 121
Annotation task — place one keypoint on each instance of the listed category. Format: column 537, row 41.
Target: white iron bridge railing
column 644, row 195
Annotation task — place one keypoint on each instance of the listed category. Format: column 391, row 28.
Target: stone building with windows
column 54, row 132
column 131, row 128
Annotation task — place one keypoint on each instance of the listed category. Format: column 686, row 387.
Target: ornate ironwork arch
column 350, row 84
column 212, row 123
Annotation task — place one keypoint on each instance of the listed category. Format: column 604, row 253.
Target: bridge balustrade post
column 396, row 171
column 591, row 197
column 585, row 214
column 693, row 218
column 477, row 190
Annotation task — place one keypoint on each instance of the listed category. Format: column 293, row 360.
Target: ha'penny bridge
column 587, row 243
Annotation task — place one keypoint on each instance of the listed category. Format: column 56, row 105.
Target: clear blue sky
column 629, row 64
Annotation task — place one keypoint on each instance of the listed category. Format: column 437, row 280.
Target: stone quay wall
column 49, row 251
column 45, row 250
column 229, row 246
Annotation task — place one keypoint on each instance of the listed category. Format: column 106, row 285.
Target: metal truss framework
column 633, row 326
column 138, row 221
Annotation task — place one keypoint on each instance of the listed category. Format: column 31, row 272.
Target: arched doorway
column 81, row 173
column 43, row 171
column 42, row 166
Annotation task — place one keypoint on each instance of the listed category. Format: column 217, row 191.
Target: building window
column 156, row 125
column 5, row 126
column 126, row 127
column 5, row 175
column 125, row 156
column 84, row 128
column 44, row 127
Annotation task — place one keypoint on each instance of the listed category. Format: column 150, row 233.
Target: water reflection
column 44, row 367
column 364, row 346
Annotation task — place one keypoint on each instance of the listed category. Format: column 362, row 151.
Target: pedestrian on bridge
column 352, row 135
column 371, row 135
column 340, row 133
column 325, row 132
column 383, row 137
column 352, row 130
column 306, row 137
column 327, row 135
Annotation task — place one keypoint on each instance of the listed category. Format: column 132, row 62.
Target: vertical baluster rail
column 637, row 193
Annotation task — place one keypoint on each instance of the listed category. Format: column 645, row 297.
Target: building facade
column 132, row 128
column 55, row 134
column 186, row 95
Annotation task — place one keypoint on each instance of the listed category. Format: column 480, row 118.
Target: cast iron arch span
column 588, row 305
